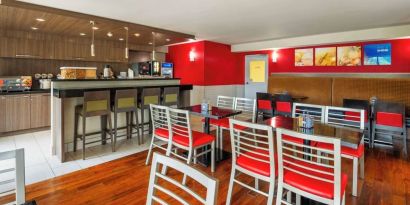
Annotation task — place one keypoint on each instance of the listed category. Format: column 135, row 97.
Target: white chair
column 209, row 183
column 160, row 127
column 349, row 117
column 183, row 137
column 16, row 165
column 253, row 155
column 316, row 111
column 299, row 172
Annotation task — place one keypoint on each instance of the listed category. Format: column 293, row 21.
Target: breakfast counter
column 69, row 93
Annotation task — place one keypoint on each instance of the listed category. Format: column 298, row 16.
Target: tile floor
column 41, row 165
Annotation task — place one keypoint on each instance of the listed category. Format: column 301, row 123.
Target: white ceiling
column 240, row 21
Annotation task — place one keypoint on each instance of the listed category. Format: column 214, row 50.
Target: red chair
column 283, row 105
column 299, row 172
column 389, row 122
column 362, row 105
column 253, row 155
column 264, row 105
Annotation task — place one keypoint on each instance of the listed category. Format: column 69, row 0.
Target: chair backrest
column 316, row 111
column 126, row 100
column 264, row 101
column 150, row 96
column 225, row 102
column 171, row 96
column 159, row 117
column 357, row 104
column 96, row 103
column 16, row 157
column 180, row 124
column 255, row 143
column 389, row 114
column 248, row 108
column 210, row 184
column 345, row 117
column 283, row 103
column 300, row 160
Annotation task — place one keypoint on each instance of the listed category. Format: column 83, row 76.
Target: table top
column 350, row 137
column 215, row 113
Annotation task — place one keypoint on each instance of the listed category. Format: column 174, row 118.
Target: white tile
column 113, row 156
column 66, row 168
column 33, row 156
column 25, row 141
column 7, row 143
column 38, row 172
column 89, row 162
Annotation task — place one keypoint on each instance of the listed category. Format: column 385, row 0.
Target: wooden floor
column 125, row 181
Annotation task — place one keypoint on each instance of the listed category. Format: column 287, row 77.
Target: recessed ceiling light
column 95, row 27
column 150, row 43
column 121, row 39
column 40, row 19
column 168, row 39
column 82, row 34
column 34, row 28
column 109, row 34
column 136, row 34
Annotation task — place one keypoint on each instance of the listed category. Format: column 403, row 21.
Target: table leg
column 207, row 128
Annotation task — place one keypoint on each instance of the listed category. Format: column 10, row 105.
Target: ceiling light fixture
column 274, row 56
column 153, row 46
column 34, row 28
column 40, row 19
column 92, row 37
column 82, row 34
column 192, row 56
column 168, row 39
column 150, row 43
column 109, row 34
column 95, row 27
column 126, row 42
column 137, row 34
column 121, row 39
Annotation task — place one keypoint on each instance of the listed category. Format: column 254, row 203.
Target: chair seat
column 256, row 166
column 161, row 132
column 345, row 150
column 311, row 185
column 199, row 139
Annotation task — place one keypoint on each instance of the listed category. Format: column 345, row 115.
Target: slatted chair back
column 14, row 174
column 299, row 161
column 389, row 114
column 225, row 102
column 248, row 108
column 253, row 143
column 180, row 124
column 315, row 111
column 210, row 184
column 345, row 117
column 159, row 117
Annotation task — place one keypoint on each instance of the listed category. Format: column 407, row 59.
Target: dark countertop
column 32, row 91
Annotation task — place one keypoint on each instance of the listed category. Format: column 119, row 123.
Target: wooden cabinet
column 7, row 47
column 33, row 48
column 40, row 110
column 2, row 114
column 72, row 49
column 17, row 112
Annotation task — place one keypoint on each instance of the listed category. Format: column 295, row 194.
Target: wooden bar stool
column 170, row 96
column 126, row 101
column 148, row 96
column 96, row 103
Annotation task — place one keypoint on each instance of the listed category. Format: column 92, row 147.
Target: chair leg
column 279, row 194
column 221, row 141
column 189, row 159
column 137, row 124
column 150, row 150
column 362, row 167
column 84, row 120
column 405, row 141
column 271, row 193
column 76, row 116
column 256, row 184
column 213, row 156
column 231, row 183
column 142, row 125
column 289, row 197
column 195, row 153
column 344, row 199
column 127, row 124
column 298, row 199
column 110, row 131
column 354, row 185
column 116, row 129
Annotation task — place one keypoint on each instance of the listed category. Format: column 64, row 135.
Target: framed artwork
column 377, row 54
column 325, row 56
column 304, row 57
column 349, row 56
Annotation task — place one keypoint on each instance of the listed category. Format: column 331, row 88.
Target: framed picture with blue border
column 377, row 54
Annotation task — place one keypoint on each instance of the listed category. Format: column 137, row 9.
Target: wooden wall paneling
column 317, row 89
column 17, row 112
column 7, row 47
column 2, row 114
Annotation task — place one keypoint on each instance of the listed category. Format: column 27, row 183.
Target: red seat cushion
column 355, row 116
column 198, row 138
column 389, row 119
column 161, row 132
column 344, row 150
column 283, row 106
column 265, row 105
column 256, row 166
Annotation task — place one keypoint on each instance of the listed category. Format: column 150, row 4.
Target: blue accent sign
column 377, row 54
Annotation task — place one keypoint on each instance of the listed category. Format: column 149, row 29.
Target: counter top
column 33, row 91
column 116, row 79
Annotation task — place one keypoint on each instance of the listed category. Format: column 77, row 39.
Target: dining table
column 212, row 113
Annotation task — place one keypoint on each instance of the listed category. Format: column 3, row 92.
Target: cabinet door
column 8, row 47
column 17, row 112
column 29, row 48
column 40, row 110
column 2, row 114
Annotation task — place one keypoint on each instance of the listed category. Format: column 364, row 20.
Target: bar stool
column 148, row 96
column 170, row 96
column 126, row 101
column 96, row 103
